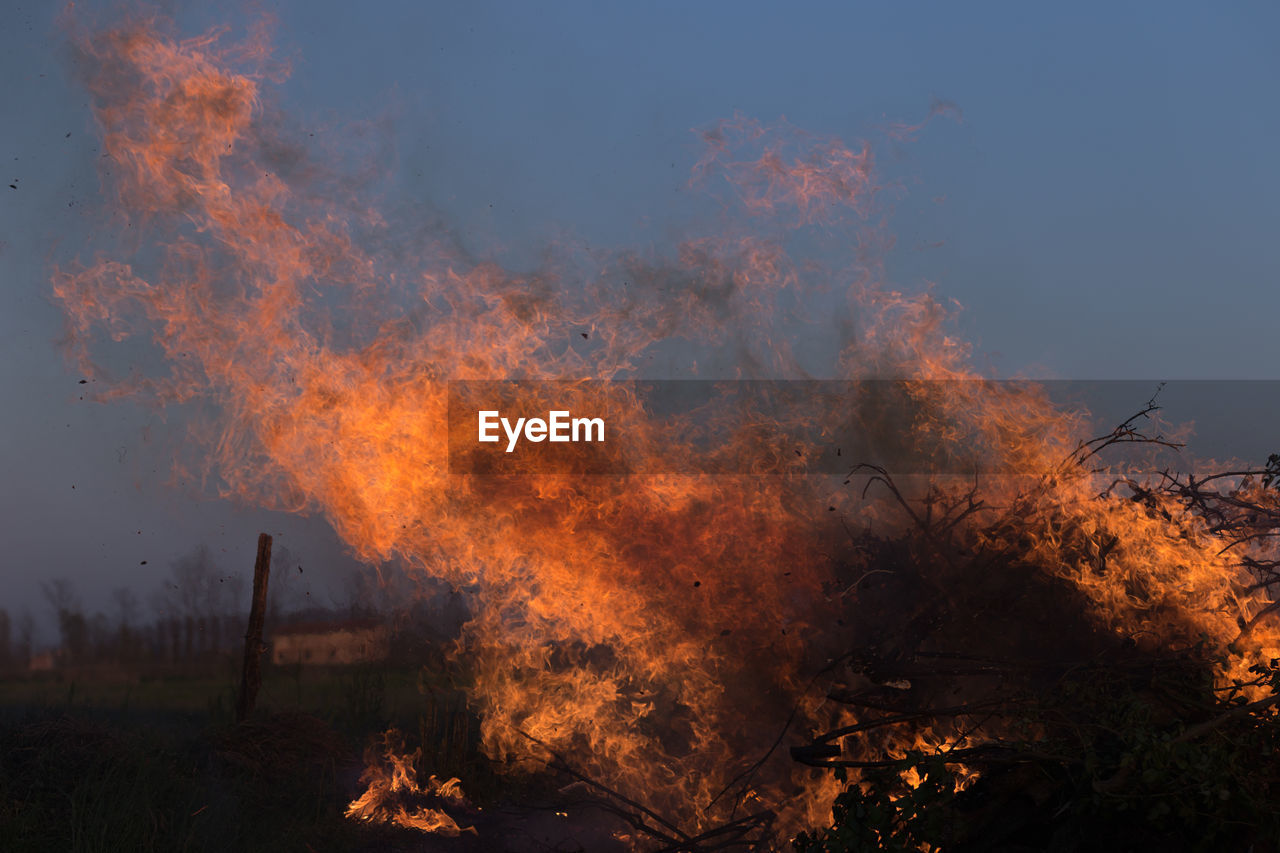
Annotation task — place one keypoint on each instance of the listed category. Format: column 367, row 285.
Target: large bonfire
column 676, row 641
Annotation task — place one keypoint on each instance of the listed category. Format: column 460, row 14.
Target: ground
column 157, row 764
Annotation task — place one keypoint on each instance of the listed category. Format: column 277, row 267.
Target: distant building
column 331, row 643
column 45, row 661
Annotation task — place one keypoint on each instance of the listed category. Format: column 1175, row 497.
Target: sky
column 1105, row 208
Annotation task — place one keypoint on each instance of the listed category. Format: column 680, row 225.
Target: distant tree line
column 198, row 613
column 16, row 640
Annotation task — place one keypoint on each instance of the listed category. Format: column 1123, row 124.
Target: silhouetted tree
column 285, row 594
column 25, row 638
column 128, row 644
column 6, row 642
column 101, row 643
column 73, row 628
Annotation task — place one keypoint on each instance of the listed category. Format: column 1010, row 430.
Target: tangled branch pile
column 1059, row 669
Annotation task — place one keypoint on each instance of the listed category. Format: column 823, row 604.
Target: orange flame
column 391, row 777
column 653, row 631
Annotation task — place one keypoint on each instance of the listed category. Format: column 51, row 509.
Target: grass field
column 323, row 691
column 158, row 764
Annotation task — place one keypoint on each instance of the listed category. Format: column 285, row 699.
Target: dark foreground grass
column 86, row 783
column 325, row 692
column 159, row 764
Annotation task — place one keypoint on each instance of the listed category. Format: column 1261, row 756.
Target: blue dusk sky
column 1106, row 207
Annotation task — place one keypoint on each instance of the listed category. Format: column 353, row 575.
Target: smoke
column 656, row 633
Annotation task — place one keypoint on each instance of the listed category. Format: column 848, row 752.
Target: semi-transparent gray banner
column 829, row 427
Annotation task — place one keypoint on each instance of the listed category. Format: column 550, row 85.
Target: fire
column 654, row 633
column 392, row 777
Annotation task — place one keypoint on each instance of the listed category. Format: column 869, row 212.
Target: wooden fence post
column 251, row 673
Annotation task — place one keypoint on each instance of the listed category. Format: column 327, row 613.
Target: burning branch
column 745, row 833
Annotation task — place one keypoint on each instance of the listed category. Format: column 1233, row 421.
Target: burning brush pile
column 1062, row 666
column 1045, row 652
